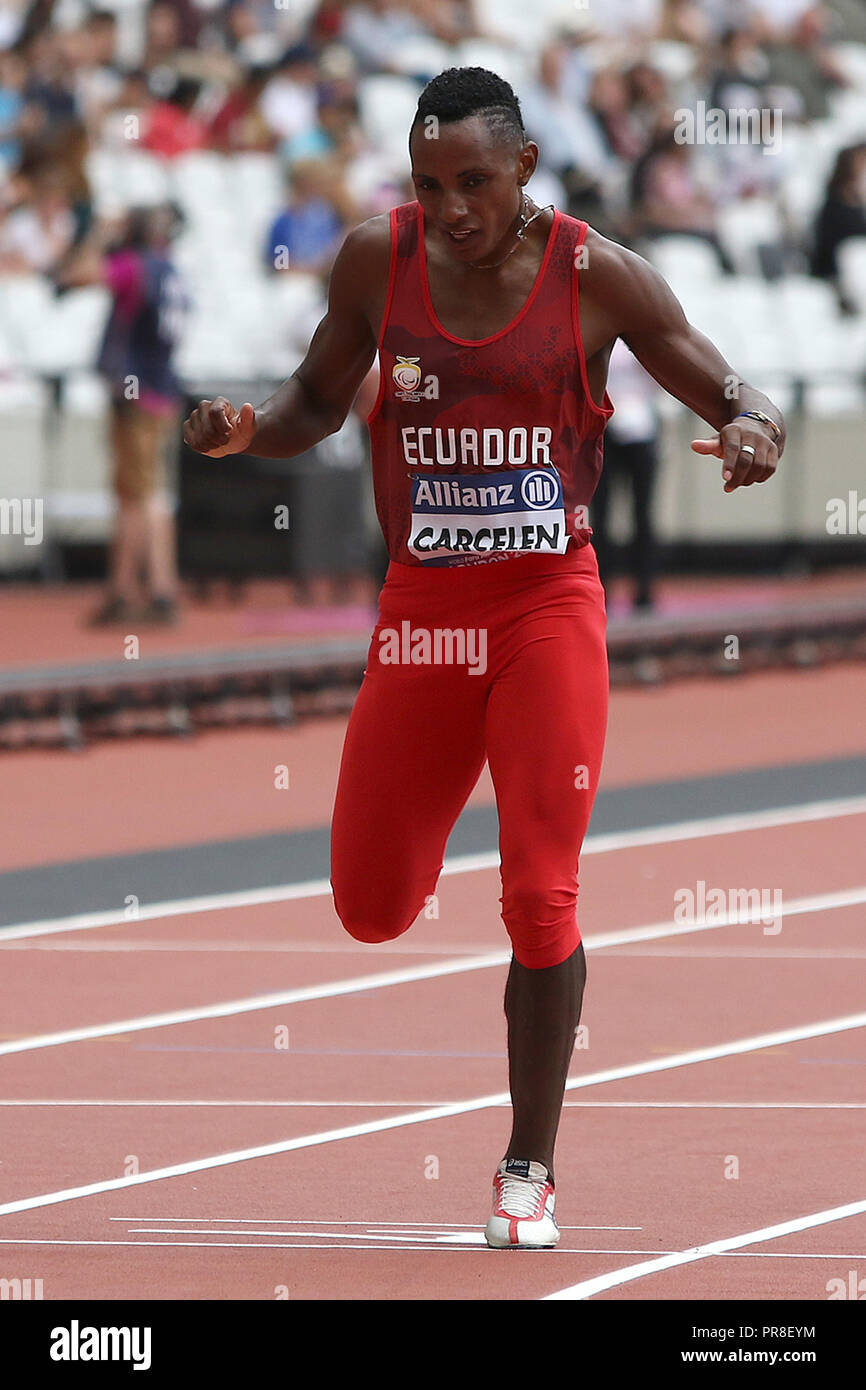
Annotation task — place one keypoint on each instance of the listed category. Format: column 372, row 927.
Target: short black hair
column 458, row 93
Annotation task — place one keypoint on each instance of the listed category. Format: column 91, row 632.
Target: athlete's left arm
column 630, row 300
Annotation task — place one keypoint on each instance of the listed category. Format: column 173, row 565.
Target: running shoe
column 523, row 1201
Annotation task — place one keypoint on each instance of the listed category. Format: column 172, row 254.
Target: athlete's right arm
column 318, row 396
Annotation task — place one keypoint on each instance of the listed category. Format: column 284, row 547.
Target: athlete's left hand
column 749, row 454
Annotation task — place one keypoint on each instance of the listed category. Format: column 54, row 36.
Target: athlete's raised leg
column 414, row 750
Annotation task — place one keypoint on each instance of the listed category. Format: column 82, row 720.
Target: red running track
column 718, row 1094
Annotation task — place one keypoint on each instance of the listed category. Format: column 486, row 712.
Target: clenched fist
column 215, row 428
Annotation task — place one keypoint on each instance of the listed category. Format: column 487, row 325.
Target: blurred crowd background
column 270, row 127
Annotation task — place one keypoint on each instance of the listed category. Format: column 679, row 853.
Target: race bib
column 516, row 512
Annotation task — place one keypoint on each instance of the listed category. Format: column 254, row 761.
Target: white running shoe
column 523, row 1202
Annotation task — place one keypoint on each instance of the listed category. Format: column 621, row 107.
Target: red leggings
column 419, row 734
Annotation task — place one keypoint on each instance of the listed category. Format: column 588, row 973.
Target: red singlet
column 453, row 417
column 481, row 451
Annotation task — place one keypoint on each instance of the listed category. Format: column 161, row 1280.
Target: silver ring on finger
column 747, row 449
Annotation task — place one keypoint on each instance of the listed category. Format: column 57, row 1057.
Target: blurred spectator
column 850, row 17
column 843, row 215
column 609, row 103
column 163, row 35
column 803, row 65
column 630, row 457
column 667, row 197
column 172, row 127
column 777, row 18
column 37, row 234
column 649, row 101
column 12, row 16
column 149, row 305
column 239, row 123
column 340, row 125
column 258, row 31
column 739, row 85
column 50, row 86
column 376, row 30
column 742, row 72
column 601, row 90
column 573, row 142
column 635, row 19
column 129, row 112
column 98, row 81
column 289, row 101
column 331, row 551
column 13, row 77
column 307, row 234
column 684, row 21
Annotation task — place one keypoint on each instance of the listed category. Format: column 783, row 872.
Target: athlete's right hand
column 215, row 428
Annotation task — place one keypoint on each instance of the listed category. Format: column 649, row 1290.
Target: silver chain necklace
column 525, row 224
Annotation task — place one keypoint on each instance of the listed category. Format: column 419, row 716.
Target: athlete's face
column 468, row 180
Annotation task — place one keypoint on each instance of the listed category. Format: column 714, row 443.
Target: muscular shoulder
column 366, row 253
column 623, row 287
column 370, row 242
column 359, row 278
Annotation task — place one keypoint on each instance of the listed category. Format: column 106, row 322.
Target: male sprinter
column 493, row 321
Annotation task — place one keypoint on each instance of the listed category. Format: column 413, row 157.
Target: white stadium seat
column 388, row 105
column 677, row 61
column 848, row 113
column 258, row 192
column 818, row 338
column 745, row 226
column 199, row 183
column 26, row 304
column 851, row 57
column 71, row 338
column 423, row 57
column 683, row 260
column 512, row 63
column 126, row 178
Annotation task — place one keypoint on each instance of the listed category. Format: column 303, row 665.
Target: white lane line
column 334, row 988
column 402, row 1237
column 424, row 1104
column 369, row 1225
column 719, row 1104
column 216, row 947
column 460, row 864
column 239, row 1104
column 814, row 902
column 169, row 946
column 588, row 1287
column 774, row 953
column 820, row 902
column 444, row 1243
column 308, row 1141
column 471, row 1236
